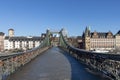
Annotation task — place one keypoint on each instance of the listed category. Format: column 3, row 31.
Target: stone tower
column 87, row 39
column 11, row 32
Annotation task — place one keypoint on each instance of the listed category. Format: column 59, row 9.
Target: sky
column 33, row 17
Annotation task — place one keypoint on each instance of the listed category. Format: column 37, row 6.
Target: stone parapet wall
column 9, row 64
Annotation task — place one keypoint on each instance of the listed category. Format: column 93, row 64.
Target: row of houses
column 88, row 41
column 11, row 42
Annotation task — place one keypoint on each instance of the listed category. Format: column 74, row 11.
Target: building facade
column 12, row 42
column 100, row 40
column 21, row 42
column 117, row 36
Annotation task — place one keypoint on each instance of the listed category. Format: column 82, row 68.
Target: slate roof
column 22, row 38
column 102, row 34
column 1, row 33
column 118, row 33
column 6, row 37
column 79, row 37
column 11, row 29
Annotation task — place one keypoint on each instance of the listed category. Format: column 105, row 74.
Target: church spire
column 87, row 31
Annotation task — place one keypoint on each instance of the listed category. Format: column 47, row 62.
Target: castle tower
column 11, row 32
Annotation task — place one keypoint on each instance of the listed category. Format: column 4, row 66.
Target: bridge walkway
column 54, row 65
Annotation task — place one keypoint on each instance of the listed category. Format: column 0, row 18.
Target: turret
column 87, row 39
column 11, row 32
column 87, row 32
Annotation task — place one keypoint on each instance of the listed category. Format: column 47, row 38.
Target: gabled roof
column 102, row 34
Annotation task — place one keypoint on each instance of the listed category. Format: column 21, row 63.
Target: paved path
column 51, row 65
column 54, row 64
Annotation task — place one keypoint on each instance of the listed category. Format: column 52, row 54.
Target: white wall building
column 21, row 42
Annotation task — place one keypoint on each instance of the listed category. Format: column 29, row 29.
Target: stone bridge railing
column 103, row 63
column 9, row 64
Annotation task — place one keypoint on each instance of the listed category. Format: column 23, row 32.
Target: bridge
column 47, row 62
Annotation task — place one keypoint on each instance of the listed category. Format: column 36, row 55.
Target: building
column 12, row 42
column 11, row 32
column 100, row 40
column 117, row 36
column 86, row 39
column 1, row 41
column 21, row 42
